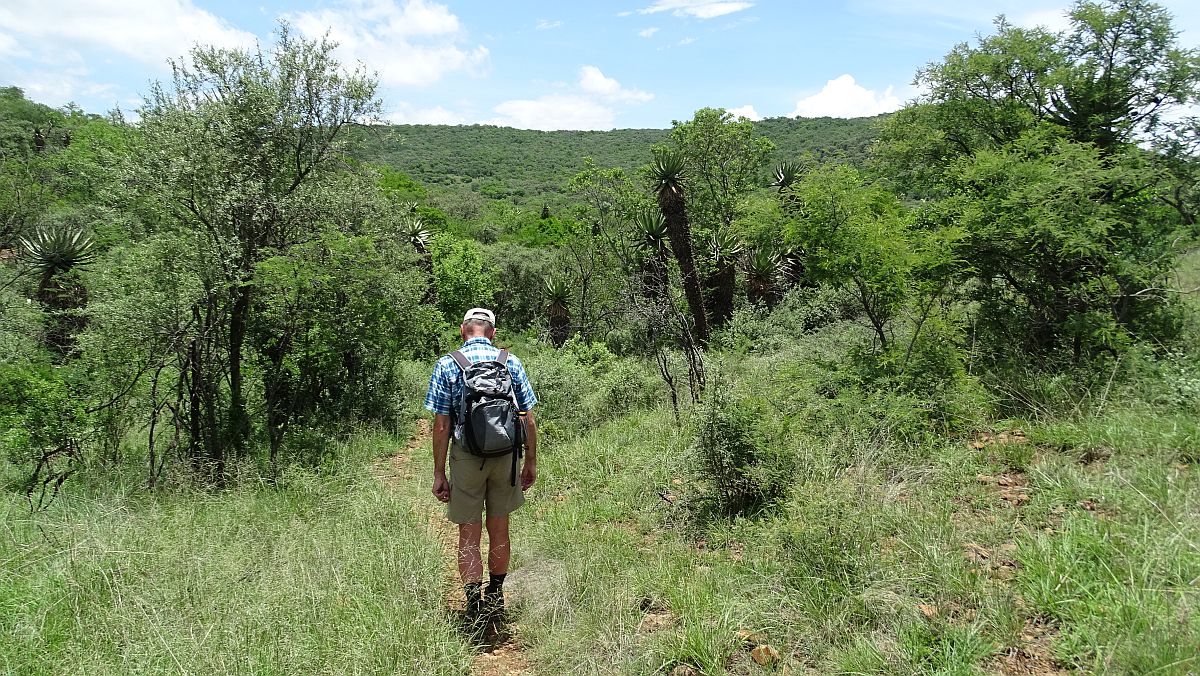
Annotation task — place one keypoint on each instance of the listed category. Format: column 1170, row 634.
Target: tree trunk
column 720, row 292
column 239, row 420
column 680, row 231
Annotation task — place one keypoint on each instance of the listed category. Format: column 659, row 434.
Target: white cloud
column 747, row 111
column 647, row 32
column 59, row 86
column 150, row 31
column 554, row 111
column 687, row 41
column 405, row 113
column 8, row 46
column 544, row 25
column 843, row 97
column 591, row 104
column 592, row 81
column 700, row 9
column 413, row 44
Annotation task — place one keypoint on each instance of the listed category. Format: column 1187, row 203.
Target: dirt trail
column 500, row 652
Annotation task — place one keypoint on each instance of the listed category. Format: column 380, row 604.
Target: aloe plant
column 51, row 254
column 651, row 239
column 786, row 174
column 558, row 298
column 669, row 180
column 764, row 272
column 723, row 250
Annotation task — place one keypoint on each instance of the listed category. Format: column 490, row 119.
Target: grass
column 896, row 548
column 331, row 574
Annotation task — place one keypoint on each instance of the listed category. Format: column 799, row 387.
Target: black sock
column 496, row 582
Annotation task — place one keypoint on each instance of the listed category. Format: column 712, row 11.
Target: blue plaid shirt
column 446, row 383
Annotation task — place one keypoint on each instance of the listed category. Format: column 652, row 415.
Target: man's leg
column 499, row 550
column 498, row 545
column 470, row 564
column 470, row 568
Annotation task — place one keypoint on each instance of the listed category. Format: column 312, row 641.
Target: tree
column 724, row 156
column 233, row 145
column 668, row 179
column 1031, row 143
column 55, row 253
column 558, row 299
column 724, row 249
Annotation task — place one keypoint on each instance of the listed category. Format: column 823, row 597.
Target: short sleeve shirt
column 446, row 383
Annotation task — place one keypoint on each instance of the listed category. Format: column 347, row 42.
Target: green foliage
column 519, row 272
column 399, row 186
column 1092, row 271
column 724, row 156
column 42, row 422
column 461, row 276
column 334, row 316
column 583, row 385
column 456, row 162
column 1030, row 139
column 857, row 236
column 737, row 460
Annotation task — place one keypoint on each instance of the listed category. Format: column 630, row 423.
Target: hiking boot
column 493, row 604
column 473, row 613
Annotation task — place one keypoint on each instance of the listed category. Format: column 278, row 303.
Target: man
column 476, row 484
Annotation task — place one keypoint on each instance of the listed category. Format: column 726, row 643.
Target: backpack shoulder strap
column 503, row 357
column 461, row 360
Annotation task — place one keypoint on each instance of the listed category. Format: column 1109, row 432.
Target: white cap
column 480, row 313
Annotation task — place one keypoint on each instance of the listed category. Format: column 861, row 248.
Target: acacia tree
column 1033, row 143
column 230, row 146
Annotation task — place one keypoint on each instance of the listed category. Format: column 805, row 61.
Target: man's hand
column 441, row 488
column 528, row 474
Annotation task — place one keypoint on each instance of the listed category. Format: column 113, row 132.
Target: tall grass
column 332, row 573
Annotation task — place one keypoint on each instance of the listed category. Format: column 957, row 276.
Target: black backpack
column 488, row 419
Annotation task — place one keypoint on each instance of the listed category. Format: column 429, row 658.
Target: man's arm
column 529, row 468
column 441, row 443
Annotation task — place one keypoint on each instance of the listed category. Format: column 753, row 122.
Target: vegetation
column 908, row 395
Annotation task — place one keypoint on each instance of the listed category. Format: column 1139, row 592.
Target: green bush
column 41, row 423
column 737, row 465
column 801, row 311
column 582, row 386
column 461, row 276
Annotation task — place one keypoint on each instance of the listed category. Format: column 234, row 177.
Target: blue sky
column 536, row 65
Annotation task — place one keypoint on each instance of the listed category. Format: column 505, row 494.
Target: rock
column 764, row 655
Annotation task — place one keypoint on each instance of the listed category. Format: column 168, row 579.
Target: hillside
column 531, row 166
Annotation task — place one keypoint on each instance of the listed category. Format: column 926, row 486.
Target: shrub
column 41, row 425
column 738, row 466
column 581, row 386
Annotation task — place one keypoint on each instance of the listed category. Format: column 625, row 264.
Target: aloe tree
column 723, row 251
column 668, row 179
column 650, row 238
column 786, row 173
column 52, row 254
column 558, row 298
column 764, row 271
column 414, row 231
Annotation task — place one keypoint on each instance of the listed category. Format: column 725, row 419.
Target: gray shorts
column 474, row 488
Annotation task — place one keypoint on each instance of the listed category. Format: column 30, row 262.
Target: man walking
column 477, row 484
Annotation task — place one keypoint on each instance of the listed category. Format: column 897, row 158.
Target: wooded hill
column 531, row 167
